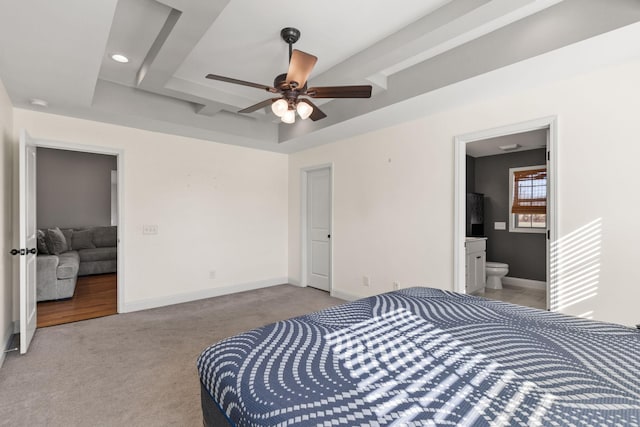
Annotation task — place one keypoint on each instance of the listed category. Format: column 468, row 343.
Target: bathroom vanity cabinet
column 475, row 260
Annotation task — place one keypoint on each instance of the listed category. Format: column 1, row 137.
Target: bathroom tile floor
column 522, row 296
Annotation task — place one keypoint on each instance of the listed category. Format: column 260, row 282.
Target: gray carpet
column 135, row 369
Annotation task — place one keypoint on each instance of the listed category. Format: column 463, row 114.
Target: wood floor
column 95, row 296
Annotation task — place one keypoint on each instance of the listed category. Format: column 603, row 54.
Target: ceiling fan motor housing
column 280, row 82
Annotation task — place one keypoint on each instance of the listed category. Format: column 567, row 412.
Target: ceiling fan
column 292, row 86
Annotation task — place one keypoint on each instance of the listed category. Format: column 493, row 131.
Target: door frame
column 119, row 153
column 304, row 173
column 460, row 148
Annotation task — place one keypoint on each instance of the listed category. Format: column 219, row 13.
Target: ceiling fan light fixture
column 289, row 116
column 280, row 107
column 289, row 86
column 304, row 110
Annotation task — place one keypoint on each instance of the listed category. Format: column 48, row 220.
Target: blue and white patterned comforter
column 422, row 357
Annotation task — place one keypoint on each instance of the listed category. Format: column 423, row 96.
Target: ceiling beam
column 563, row 24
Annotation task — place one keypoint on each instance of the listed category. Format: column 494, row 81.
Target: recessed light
column 118, row 57
column 39, row 102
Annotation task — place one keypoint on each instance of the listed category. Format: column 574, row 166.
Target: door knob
column 328, row 236
column 23, row 251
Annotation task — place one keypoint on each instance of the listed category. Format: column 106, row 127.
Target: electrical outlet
column 396, row 286
column 212, row 274
column 150, row 229
column 366, row 281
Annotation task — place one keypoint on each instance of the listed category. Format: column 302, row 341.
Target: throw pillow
column 82, row 240
column 56, row 241
column 67, row 233
column 42, row 243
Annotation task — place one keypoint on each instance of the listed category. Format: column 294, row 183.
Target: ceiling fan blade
column 340, row 92
column 259, row 105
column 317, row 113
column 300, row 67
column 241, row 82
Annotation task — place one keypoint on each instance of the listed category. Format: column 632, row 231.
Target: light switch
column 500, row 225
column 150, row 229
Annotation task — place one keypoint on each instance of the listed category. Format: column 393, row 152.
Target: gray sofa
column 80, row 252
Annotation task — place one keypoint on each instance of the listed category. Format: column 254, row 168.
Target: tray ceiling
column 60, row 52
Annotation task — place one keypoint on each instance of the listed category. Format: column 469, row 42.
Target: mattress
column 421, row 357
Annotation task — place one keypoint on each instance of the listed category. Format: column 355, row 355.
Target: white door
column 319, row 228
column 28, row 240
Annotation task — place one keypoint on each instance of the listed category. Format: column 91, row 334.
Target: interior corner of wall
column 294, row 281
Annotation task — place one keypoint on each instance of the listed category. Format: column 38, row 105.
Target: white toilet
column 495, row 272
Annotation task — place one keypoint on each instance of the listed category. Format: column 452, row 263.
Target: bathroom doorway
column 505, row 213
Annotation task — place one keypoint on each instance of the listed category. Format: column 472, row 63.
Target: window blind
column 530, row 192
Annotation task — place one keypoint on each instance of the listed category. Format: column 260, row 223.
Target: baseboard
column 6, row 339
column 294, row 282
column 336, row 293
column 148, row 303
column 516, row 282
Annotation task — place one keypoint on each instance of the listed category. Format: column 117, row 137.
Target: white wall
column 218, row 207
column 6, row 182
column 225, row 208
column 393, row 190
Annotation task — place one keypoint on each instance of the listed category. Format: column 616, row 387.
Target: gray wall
column 524, row 252
column 73, row 188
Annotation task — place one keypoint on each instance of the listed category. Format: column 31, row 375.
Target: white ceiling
column 254, row 51
column 408, row 50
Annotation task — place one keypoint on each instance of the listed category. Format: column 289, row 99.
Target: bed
column 424, row 357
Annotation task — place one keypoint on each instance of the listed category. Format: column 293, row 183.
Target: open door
column 28, row 240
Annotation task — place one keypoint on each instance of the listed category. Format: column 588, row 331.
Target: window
column 528, row 199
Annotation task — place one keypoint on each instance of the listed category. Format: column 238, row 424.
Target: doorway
column 76, row 197
column 514, row 236
column 316, row 227
column 92, row 278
